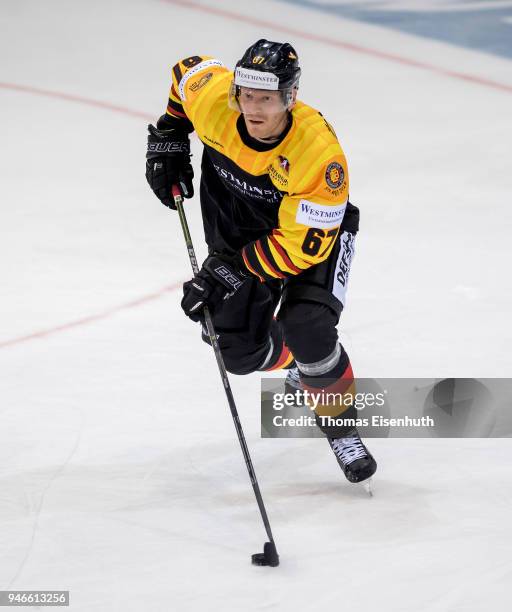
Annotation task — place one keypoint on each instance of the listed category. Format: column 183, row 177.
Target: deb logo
column 320, row 215
column 345, row 258
column 343, row 264
column 334, row 175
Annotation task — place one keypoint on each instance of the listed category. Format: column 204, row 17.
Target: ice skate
column 354, row 458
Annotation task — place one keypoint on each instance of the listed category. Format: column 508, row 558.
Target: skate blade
column 368, row 486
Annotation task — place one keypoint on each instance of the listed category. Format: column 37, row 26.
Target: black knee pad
column 243, row 324
column 309, row 330
column 239, row 356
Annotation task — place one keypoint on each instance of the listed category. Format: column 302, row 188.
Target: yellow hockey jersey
column 280, row 206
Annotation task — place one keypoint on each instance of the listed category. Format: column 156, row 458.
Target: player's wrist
column 181, row 124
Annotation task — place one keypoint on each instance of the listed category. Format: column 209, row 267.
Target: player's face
column 264, row 112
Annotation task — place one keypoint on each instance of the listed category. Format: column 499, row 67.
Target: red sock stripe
column 283, row 357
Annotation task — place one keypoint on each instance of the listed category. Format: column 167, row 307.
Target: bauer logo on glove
column 229, row 277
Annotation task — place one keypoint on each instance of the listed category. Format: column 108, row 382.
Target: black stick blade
column 268, row 557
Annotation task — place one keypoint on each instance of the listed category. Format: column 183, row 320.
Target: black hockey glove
column 168, row 164
column 218, row 280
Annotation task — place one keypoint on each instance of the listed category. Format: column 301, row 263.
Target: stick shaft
column 222, row 369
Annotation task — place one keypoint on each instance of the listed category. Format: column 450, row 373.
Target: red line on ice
column 91, row 318
column 78, row 99
column 344, row 45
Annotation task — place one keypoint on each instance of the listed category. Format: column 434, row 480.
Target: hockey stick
column 269, row 555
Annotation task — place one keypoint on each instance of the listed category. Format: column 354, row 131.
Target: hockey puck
column 259, row 559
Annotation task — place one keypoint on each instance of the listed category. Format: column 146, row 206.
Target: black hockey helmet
column 266, row 65
column 279, row 59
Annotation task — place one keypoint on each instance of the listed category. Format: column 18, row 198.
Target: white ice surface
column 120, row 474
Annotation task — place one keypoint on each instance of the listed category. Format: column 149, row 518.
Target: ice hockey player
column 277, row 221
